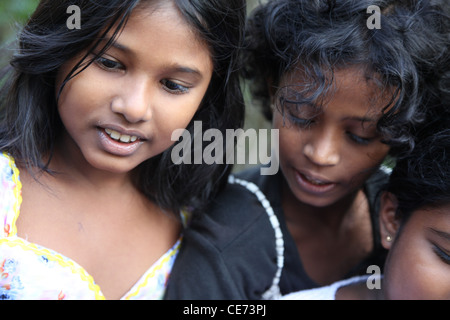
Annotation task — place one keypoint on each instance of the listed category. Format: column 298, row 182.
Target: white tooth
column 115, row 135
column 125, row 138
column 314, row 181
column 133, row 138
column 108, row 131
column 319, row 182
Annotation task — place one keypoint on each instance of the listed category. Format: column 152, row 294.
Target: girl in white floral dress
column 91, row 203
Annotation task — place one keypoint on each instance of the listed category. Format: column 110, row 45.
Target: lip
column 313, row 183
column 124, row 131
column 116, row 147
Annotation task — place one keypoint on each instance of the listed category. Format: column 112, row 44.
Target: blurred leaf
column 13, row 12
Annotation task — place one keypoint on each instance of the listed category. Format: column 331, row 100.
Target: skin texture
column 418, row 264
column 327, row 152
column 147, row 90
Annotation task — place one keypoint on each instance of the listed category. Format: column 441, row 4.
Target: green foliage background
column 13, row 14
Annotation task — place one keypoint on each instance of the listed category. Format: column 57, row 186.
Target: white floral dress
column 29, row 271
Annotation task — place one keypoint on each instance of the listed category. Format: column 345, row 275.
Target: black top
column 230, row 251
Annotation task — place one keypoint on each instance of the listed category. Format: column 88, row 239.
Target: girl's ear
column 389, row 225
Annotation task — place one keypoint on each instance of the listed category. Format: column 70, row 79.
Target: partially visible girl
column 415, row 228
column 91, row 204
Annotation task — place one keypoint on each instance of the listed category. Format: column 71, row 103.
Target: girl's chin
column 315, row 201
column 109, row 164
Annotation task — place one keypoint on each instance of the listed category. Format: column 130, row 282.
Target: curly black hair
column 421, row 178
column 407, row 55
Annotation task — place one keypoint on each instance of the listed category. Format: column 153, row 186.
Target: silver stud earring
column 388, row 238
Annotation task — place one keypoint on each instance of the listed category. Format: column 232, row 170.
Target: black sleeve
column 227, row 253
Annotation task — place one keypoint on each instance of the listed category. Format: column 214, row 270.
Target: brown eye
column 109, row 64
column 174, row 87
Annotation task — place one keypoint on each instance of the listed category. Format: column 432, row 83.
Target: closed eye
column 441, row 254
column 358, row 139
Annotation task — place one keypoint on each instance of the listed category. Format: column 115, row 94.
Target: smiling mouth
column 315, row 181
column 124, row 138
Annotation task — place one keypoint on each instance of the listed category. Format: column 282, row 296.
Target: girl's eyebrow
column 117, row 45
column 441, row 234
column 175, row 67
column 121, row 47
column 183, row 69
column 361, row 119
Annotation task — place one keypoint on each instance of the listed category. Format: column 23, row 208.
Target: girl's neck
column 323, row 234
column 332, row 216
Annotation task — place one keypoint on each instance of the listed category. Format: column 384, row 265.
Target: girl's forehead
column 434, row 218
column 353, row 84
column 149, row 7
column 165, row 9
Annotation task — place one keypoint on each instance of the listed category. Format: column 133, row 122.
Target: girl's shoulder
column 239, row 222
column 10, row 194
column 243, row 209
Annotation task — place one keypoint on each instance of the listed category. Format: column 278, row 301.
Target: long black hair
column 405, row 55
column 30, row 123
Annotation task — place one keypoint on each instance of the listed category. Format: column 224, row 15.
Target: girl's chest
column 114, row 241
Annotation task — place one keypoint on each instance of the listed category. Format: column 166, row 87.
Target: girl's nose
column 134, row 102
column 323, row 150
